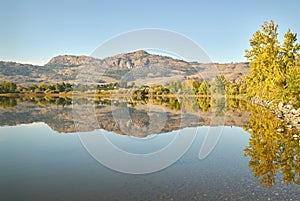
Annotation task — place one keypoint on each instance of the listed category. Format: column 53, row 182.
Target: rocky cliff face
column 144, row 68
column 142, row 58
column 71, row 61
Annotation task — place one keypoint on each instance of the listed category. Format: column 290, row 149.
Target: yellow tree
column 264, row 60
column 275, row 71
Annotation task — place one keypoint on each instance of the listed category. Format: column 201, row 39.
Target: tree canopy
column 275, row 67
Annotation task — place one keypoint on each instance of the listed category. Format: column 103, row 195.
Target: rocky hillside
column 139, row 66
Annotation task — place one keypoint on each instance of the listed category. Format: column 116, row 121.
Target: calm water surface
column 40, row 163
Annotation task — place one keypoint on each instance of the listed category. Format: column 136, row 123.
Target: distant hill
column 139, row 67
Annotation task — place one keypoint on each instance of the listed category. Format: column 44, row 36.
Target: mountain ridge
column 112, row 69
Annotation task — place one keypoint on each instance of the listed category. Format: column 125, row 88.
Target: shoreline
column 114, row 94
column 285, row 112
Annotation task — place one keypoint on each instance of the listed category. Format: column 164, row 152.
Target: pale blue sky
column 35, row 31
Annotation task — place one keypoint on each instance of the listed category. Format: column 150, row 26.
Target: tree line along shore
column 191, row 87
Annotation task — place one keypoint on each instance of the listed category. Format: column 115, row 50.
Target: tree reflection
column 272, row 148
column 7, row 102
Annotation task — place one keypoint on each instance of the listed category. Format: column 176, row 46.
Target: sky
column 34, row 31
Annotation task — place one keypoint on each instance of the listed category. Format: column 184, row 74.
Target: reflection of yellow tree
column 290, row 159
column 7, row 102
column 271, row 151
column 237, row 104
column 204, row 103
column 171, row 103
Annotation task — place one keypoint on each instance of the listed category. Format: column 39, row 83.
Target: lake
column 47, row 154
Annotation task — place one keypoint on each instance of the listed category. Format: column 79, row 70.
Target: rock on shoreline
column 283, row 111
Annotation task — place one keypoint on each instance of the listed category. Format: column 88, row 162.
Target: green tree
column 292, row 91
column 289, row 52
column 291, row 67
column 60, row 87
column 175, row 87
column 32, row 87
column 218, row 86
column 7, row 102
column 43, row 87
column 7, row 87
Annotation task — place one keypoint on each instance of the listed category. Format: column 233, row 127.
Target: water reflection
column 174, row 113
column 272, row 150
column 6, row 101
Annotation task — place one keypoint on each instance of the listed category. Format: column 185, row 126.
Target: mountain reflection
column 273, row 150
column 175, row 113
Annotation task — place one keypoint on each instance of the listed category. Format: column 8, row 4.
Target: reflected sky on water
column 39, row 163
